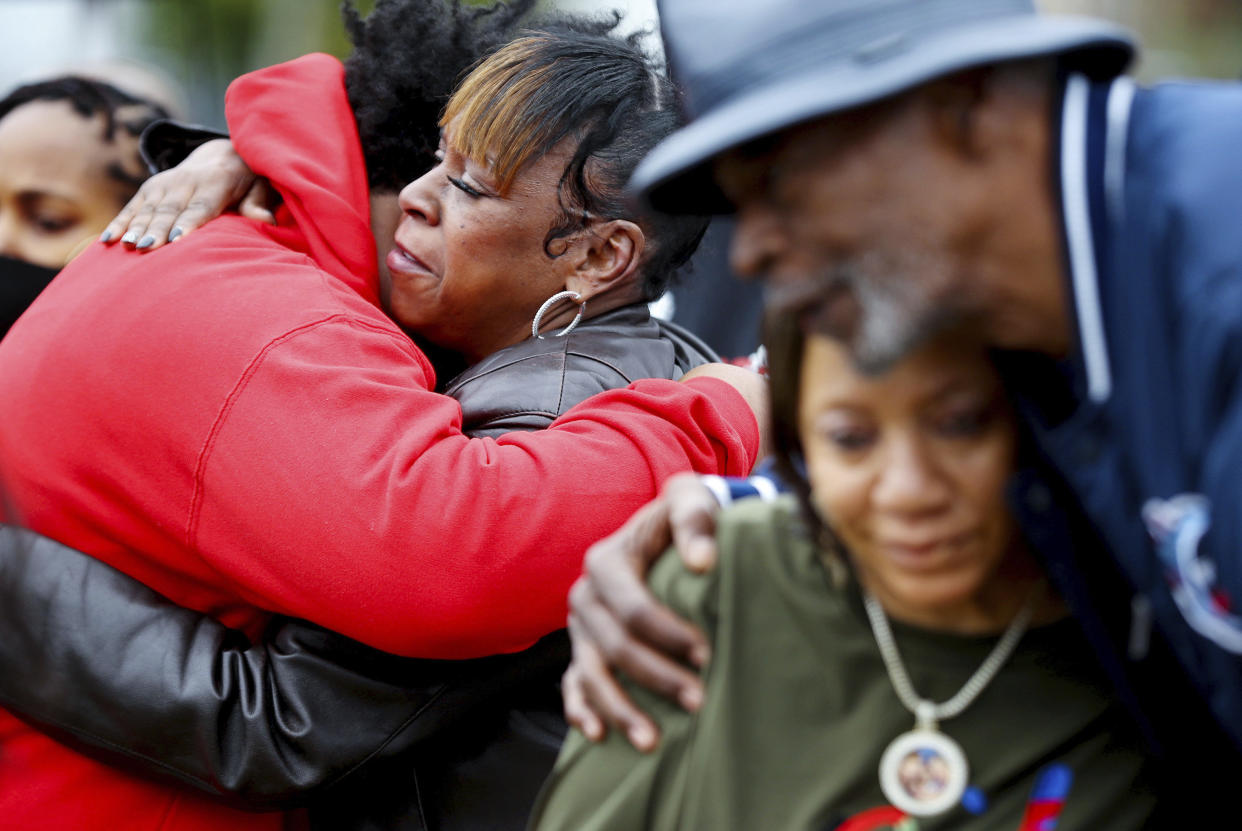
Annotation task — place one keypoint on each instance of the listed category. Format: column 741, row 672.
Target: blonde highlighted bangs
column 498, row 117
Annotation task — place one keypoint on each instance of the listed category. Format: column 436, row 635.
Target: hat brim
column 676, row 176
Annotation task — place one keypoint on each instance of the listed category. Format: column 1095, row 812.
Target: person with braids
column 68, row 161
column 240, row 421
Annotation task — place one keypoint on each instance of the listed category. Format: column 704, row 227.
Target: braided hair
column 122, row 113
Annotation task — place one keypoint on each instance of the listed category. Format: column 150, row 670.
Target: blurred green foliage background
column 1181, row 38
column 207, row 43
column 202, row 44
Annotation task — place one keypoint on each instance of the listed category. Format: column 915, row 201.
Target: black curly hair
column 408, row 57
column 89, row 97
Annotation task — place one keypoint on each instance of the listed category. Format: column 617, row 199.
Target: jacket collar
column 629, row 320
column 1092, row 149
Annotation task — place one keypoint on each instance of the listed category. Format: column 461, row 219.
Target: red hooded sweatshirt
column 234, row 421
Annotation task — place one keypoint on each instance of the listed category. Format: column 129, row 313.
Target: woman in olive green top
column 930, row 679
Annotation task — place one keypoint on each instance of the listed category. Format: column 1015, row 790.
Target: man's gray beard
column 892, row 323
column 895, row 318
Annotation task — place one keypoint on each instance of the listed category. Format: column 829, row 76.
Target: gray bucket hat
column 753, row 67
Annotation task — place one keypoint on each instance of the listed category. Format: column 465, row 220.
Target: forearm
column 493, row 531
column 103, row 663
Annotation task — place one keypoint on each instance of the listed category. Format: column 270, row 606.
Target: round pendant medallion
column 923, row 773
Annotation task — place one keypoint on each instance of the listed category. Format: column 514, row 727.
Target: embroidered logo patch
column 1177, row 525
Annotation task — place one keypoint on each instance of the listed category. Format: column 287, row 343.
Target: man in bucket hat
column 900, row 167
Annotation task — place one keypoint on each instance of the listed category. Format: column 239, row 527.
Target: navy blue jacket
column 1138, row 437
column 1145, row 422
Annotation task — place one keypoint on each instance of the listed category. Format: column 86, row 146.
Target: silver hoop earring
column 547, row 304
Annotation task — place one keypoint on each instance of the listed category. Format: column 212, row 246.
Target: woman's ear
column 607, row 258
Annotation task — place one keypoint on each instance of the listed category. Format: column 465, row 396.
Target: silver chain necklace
column 924, row 772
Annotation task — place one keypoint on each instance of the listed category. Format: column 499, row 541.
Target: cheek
column 982, row 476
column 468, row 249
column 50, row 250
column 820, row 234
column 473, row 242
column 100, row 199
column 838, row 492
column 94, row 221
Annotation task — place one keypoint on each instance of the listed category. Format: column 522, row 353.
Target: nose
column 909, row 481
column 759, row 240
column 419, row 199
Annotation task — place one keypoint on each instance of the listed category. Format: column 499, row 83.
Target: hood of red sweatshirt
column 284, row 120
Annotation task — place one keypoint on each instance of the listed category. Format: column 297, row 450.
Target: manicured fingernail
column 105, row 236
column 642, row 737
column 174, row 233
column 146, row 242
column 691, row 699
column 130, row 238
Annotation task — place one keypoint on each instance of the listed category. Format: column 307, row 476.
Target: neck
column 613, row 299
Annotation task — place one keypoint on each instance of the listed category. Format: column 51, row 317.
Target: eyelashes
column 848, row 440
column 464, row 188
column 53, row 226
column 852, row 436
column 460, row 184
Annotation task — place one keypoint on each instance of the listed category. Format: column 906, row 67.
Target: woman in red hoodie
column 252, row 471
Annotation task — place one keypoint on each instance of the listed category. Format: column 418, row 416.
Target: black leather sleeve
column 165, row 143
column 103, row 663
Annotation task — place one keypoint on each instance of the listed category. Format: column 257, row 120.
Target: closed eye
column 851, row 441
column 464, row 188
column 53, row 225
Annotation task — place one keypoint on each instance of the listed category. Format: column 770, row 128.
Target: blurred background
column 190, row 48
column 196, row 46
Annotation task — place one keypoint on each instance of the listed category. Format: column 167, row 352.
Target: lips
column 926, row 553
column 913, row 548
column 401, row 261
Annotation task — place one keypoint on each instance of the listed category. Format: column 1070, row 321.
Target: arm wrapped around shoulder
column 117, row 671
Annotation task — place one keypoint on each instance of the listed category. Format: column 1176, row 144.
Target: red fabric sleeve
column 358, row 504
column 292, row 124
